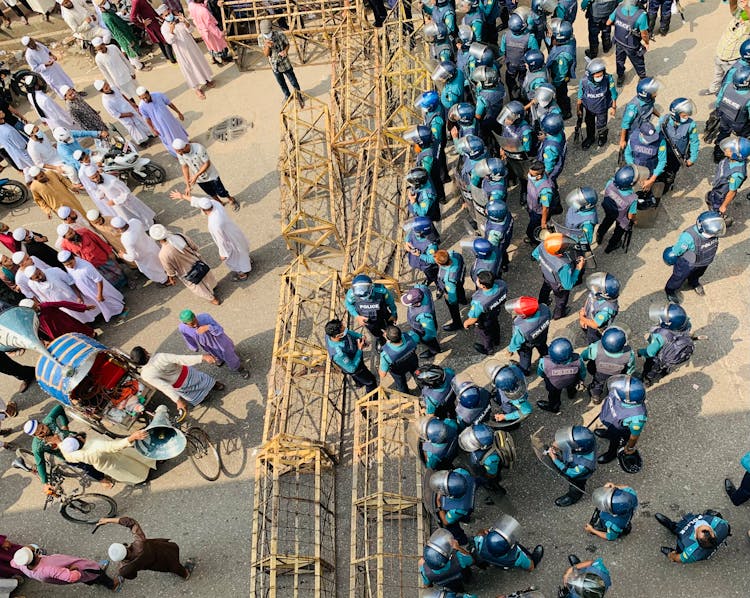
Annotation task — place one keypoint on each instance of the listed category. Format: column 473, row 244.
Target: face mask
column 268, row 35
column 598, row 78
column 684, row 119
column 169, row 18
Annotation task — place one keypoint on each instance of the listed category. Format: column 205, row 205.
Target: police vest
column 567, row 48
column 429, row 117
column 733, row 107
column 439, row 14
column 508, row 406
column 705, row 249
column 443, row 450
column 575, row 219
column 601, row 9
column 595, row 304
column 610, row 365
column 534, row 191
column 462, row 61
column 644, row 154
column 679, row 135
column 517, row 132
column 597, row 97
column 534, row 330
column 491, row 303
column 439, row 396
column 371, row 307
column 454, row 273
column 562, row 375
column 493, row 101
column 643, row 113
column 625, row 32
column 433, row 207
column 401, row 355
column 585, row 460
column 686, row 534
column 574, row 233
column 562, row 149
column 515, row 48
column 491, row 264
column 724, row 172
column 475, row 415
column 462, row 503
column 421, row 244
column 472, row 129
column 451, row 574
column 479, row 458
column 414, row 311
column 614, row 412
column 532, row 80
column 501, row 228
column 349, row 347
column 620, row 521
column 494, row 190
column 506, row 560
column 551, row 266
column 620, row 201
column 569, row 10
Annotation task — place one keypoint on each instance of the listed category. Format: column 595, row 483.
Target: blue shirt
column 574, row 471
column 341, row 359
column 568, row 274
column 66, row 150
column 385, row 361
column 426, row 198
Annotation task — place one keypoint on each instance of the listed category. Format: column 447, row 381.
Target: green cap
column 187, row 316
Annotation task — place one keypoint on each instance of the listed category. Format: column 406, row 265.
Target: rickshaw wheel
column 203, row 454
column 88, row 508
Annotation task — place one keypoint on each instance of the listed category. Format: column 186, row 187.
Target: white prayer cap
column 33, row 171
column 78, row 154
column 62, row 229
column 29, row 271
column 98, row 85
column 60, row 133
column 23, row 556
column 28, row 79
column 97, row 41
column 59, row 1
column 179, row 144
column 204, row 203
column 106, row 37
column 19, row 234
column 140, row 90
column 92, row 215
column 90, row 170
column 161, row 9
column 63, row 256
column 118, row 222
column 158, row 232
column 64, row 212
column 25, row 40
column 28, row 128
column 117, row 552
column 70, row 444
column 30, row 426
column 18, row 257
column 27, row 303
column 65, row 89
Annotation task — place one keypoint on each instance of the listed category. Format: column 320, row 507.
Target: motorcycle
column 12, row 192
column 119, row 158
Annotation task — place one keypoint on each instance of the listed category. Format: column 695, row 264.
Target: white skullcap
column 78, row 154
column 59, row 1
column 28, row 128
column 157, row 232
column 179, row 144
column 70, row 444
column 204, row 203
column 64, row 212
column 98, row 84
column 19, row 234
column 118, row 222
column 92, row 214
column 18, row 257
column 117, row 552
column 90, row 170
column 140, row 90
column 161, row 9
column 60, row 133
column 27, row 303
column 29, row 271
column 97, row 41
column 65, row 89
column 25, row 40
column 33, row 171
column 30, row 426
column 62, row 229
column 23, row 556
column 28, row 79
column 106, row 37
column 63, row 256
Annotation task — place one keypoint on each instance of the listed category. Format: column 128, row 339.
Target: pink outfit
column 55, row 569
column 207, row 26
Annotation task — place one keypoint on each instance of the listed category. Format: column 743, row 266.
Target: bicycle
column 82, row 507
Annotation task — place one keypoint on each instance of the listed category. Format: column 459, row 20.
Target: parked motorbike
column 12, row 192
column 120, row 159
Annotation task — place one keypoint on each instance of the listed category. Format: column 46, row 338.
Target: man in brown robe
column 51, row 191
column 109, row 233
column 146, row 554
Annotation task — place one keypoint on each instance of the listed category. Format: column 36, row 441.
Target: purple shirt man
column 202, row 333
column 155, row 108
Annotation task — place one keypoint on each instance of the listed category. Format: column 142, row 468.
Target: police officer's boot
column 455, row 323
column 611, row 453
column 651, row 24
column 537, row 554
column 592, row 52
column 601, row 138
column 664, row 25
column 572, row 496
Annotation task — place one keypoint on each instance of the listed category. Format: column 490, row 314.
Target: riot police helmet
column 449, row 483
column 512, row 112
column 597, row 65
column 482, row 53
column 628, row 389
column 433, row 429
column 563, row 32
column 445, row 71
column 507, row 378
column 680, row 106
column 745, row 50
column 465, row 35
column 737, row 148
column 553, row 123
column 544, row 94
column 467, row 392
column 544, row 6
column 614, row 339
column 422, row 225
column 417, row 176
column 420, row 135
column 522, row 306
column 582, row 198
column 503, row 535
column 560, row 350
column 711, row 224
column 669, row 257
column 613, row 500
column 487, row 76
column 534, row 60
column 427, row 101
column 362, row 285
column 603, row 284
column 647, row 88
column 477, row 437
column 516, row 23
column 471, row 145
column 668, row 315
column 741, row 77
column 463, row 113
column 437, row 552
column 497, row 210
column 494, row 168
column 482, row 248
column 586, row 584
column 579, row 438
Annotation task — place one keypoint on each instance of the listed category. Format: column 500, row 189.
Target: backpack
column 675, row 353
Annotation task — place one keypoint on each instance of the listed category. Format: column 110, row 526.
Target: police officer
column 471, row 151
column 562, row 369
column 510, row 393
column 561, row 62
column 372, row 306
column 601, row 306
column 478, row 442
column 399, row 356
column 694, row 251
column 567, row 10
column 681, row 134
column 669, row 342
column 631, row 38
column 640, row 109
column 698, row 536
column 485, row 307
column 450, row 284
column 473, row 17
column 559, row 272
column 436, row 33
column 647, row 147
column 499, row 546
column 530, row 329
column 444, row 563
column 455, row 496
column 453, row 81
column 421, row 194
column 624, row 415
column 541, row 105
column 589, row 579
column 540, row 10
column 731, row 173
column 597, row 98
column 498, row 229
column 486, row 258
column 490, row 95
column 597, row 15
column 420, row 313
column 437, row 395
column 574, row 453
column 421, row 243
column 514, row 44
column 536, row 74
column 479, row 55
column 581, row 217
column 434, row 118
column 615, row 507
column 472, row 402
column 620, row 205
column 540, row 199
column 462, row 115
column 739, row 495
column 519, row 145
column 463, row 55
column 438, row 442
column 490, row 176
column 553, row 148
column 427, row 156
column 664, row 20
column 443, row 14
column 345, row 346
column 607, row 357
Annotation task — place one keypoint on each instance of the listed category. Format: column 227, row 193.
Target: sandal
column 240, row 278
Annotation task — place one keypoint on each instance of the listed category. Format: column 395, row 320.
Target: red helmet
column 522, row 306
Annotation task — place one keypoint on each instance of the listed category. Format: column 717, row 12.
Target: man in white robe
column 118, row 107
column 48, row 111
column 116, row 69
column 43, row 62
column 55, row 285
column 15, row 144
column 23, row 260
column 44, row 155
column 112, row 191
column 82, row 22
column 92, row 285
column 140, row 248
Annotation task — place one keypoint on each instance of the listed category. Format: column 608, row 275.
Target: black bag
column 197, row 272
column 675, row 353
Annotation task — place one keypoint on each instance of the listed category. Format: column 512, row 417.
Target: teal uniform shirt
column 630, row 114
column 694, row 143
column 568, row 274
column 522, row 561
column 432, row 460
column 464, row 560
column 655, row 342
column 385, row 361
column 634, row 423
column 641, row 24
column 590, row 353
column 348, row 364
column 476, row 309
column 551, row 154
column 377, row 289
column 517, row 339
column 445, row 273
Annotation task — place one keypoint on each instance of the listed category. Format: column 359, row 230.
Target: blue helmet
column 669, row 256
column 482, row 248
column 745, row 50
column 628, row 389
column 471, row 145
column 582, row 198
column 465, row 35
column 420, row 135
column 614, row 339
column 482, row 53
column 450, row 483
column 422, row 225
column 669, row 315
column 738, row 148
column 625, row 177
column 597, row 65
column 603, row 284
column 469, row 397
column 681, row 106
column 362, row 285
column 437, row 552
column 486, row 76
column 516, row 23
column 507, row 378
column 502, row 536
column 494, row 168
column 445, row 71
column 553, row 123
column 614, row 501
column 463, row 113
column 560, row 350
column 647, row 88
column 427, row 100
column 711, row 224
column 543, row 6
column 741, row 77
column 417, row 176
column 433, row 429
column 579, row 438
column 563, row 32
column 513, row 111
column 534, row 60
column 497, row 210
column 478, row 437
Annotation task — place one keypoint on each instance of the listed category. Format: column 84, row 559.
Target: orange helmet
column 556, row 243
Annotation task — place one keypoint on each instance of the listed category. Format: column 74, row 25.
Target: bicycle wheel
column 12, row 193
column 88, row 508
column 203, row 454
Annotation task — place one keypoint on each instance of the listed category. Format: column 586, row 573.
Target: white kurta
column 54, row 115
column 54, row 74
column 233, row 246
column 76, row 17
column 23, row 281
column 126, row 205
column 15, row 144
column 57, row 287
column 189, row 56
column 116, row 105
column 90, row 187
column 117, row 71
column 43, row 152
column 87, row 279
column 42, row 6
column 143, row 250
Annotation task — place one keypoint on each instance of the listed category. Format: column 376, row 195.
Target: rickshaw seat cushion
column 106, row 372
